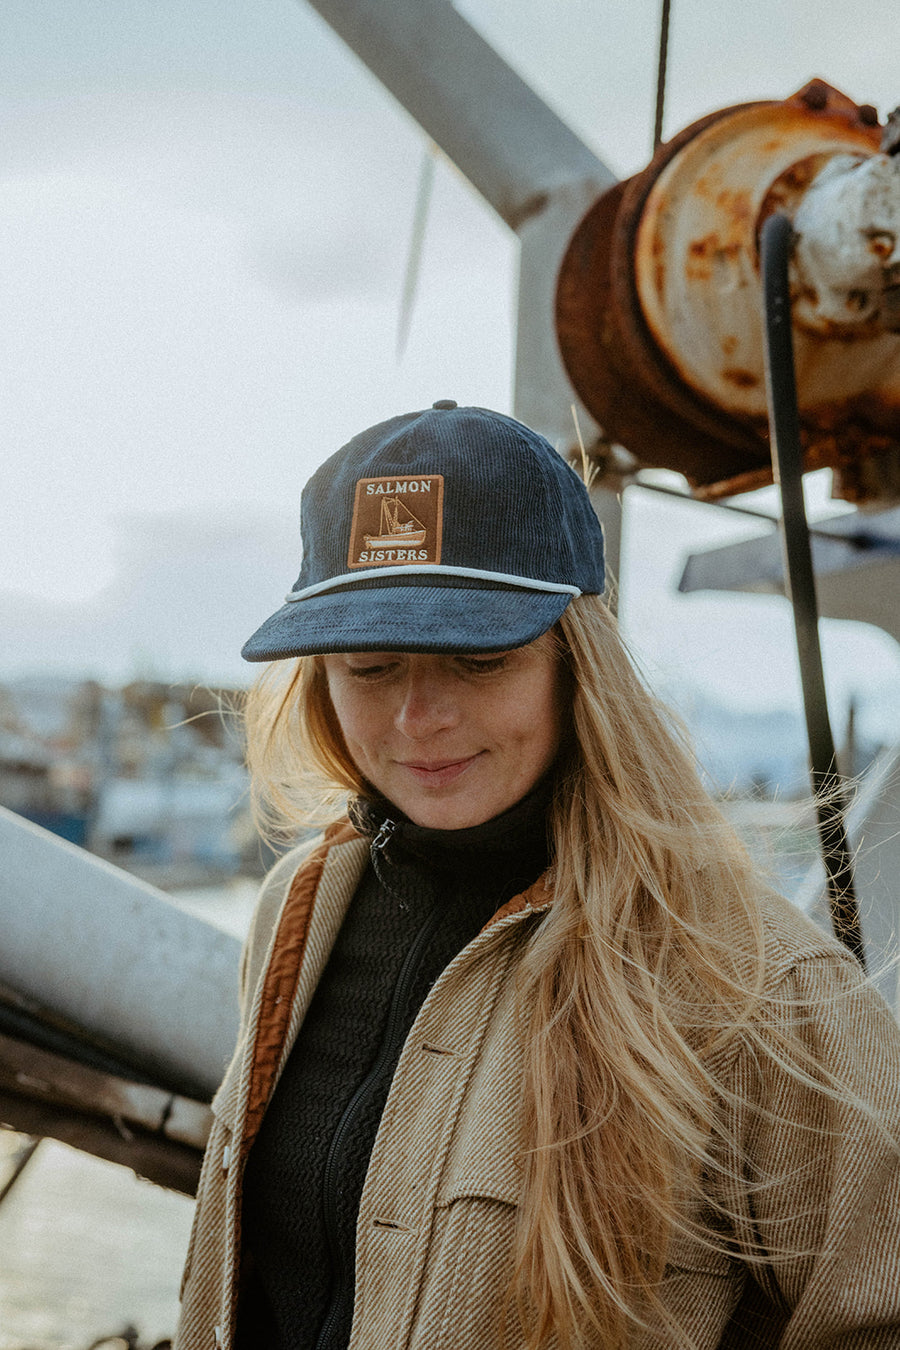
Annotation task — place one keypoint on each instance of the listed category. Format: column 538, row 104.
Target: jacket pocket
column 463, row 1295
column 699, row 1291
column 691, row 1254
column 464, row 1298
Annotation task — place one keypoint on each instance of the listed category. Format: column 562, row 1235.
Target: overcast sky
column 205, row 212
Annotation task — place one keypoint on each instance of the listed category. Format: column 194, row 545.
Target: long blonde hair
column 649, row 961
column 629, row 984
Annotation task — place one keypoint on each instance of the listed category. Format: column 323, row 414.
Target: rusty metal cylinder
column 659, row 298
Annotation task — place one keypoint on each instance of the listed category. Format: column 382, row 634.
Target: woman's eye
column 372, row 672
column 483, row 665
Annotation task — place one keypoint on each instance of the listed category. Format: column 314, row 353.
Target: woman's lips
column 438, row 773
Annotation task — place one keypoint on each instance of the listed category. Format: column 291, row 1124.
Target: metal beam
column 158, row 1134
column 855, row 579
column 113, row 956
column 513, row 149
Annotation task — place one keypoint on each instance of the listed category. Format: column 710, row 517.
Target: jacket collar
column 516, row 837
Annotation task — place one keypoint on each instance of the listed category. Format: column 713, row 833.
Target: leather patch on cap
column 397, row 521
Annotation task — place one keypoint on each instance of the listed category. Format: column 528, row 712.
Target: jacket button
column 217, row 1336
column 226, row 1157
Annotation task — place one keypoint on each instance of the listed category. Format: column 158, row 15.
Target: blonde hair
column 629, row 983
column 649, row 961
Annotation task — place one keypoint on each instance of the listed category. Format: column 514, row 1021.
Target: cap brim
column 408, row 619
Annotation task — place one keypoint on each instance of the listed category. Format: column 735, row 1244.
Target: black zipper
column 393, row 1037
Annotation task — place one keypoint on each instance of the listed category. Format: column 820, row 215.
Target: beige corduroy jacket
column 438, row 1209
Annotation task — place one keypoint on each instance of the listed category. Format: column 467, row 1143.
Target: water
column 87, row 1247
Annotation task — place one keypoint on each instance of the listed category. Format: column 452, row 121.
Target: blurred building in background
column 149, row 775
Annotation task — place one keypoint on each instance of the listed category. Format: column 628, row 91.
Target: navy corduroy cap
column 448, row 530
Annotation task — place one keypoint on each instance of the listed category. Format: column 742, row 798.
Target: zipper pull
column 384, row 836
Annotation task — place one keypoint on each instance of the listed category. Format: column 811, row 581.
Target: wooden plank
column 158, row 1134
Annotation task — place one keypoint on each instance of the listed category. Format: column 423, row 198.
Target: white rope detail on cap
column 432, row 569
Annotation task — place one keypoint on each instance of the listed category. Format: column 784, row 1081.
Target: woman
column 529, row 1057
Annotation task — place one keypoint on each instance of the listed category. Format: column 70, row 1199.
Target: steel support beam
column 158, row 1134
column 512, row 148
column 110, row 955
column 857, row 568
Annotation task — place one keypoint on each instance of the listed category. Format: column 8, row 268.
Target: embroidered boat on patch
column 396, row 528
column 397, row 521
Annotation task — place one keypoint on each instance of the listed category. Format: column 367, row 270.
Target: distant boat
column 394, row 530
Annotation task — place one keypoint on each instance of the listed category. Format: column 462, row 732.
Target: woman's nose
column 427, row 705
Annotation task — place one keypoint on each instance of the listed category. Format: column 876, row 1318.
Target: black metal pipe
column 800, row 584
column 662, row 63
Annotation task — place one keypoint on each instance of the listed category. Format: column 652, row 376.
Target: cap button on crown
column 445, row 403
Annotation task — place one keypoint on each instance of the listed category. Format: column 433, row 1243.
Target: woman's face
column 451, row 740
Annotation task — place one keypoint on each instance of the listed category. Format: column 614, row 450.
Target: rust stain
column 815, row 94
column 704, row 248
column 657, row 252
column 703, row 254
column 730, row 487
column 865, row 460
column 659, row 265
column 741, row 379
column 801, row 174
column 707, row 185
column 729, row 345
column 829, row 330
column 790, row 185
column 829, row 107
column 737, row 204
column 882, row 243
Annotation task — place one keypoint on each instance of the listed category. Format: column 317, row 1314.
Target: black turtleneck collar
column 520, row 833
